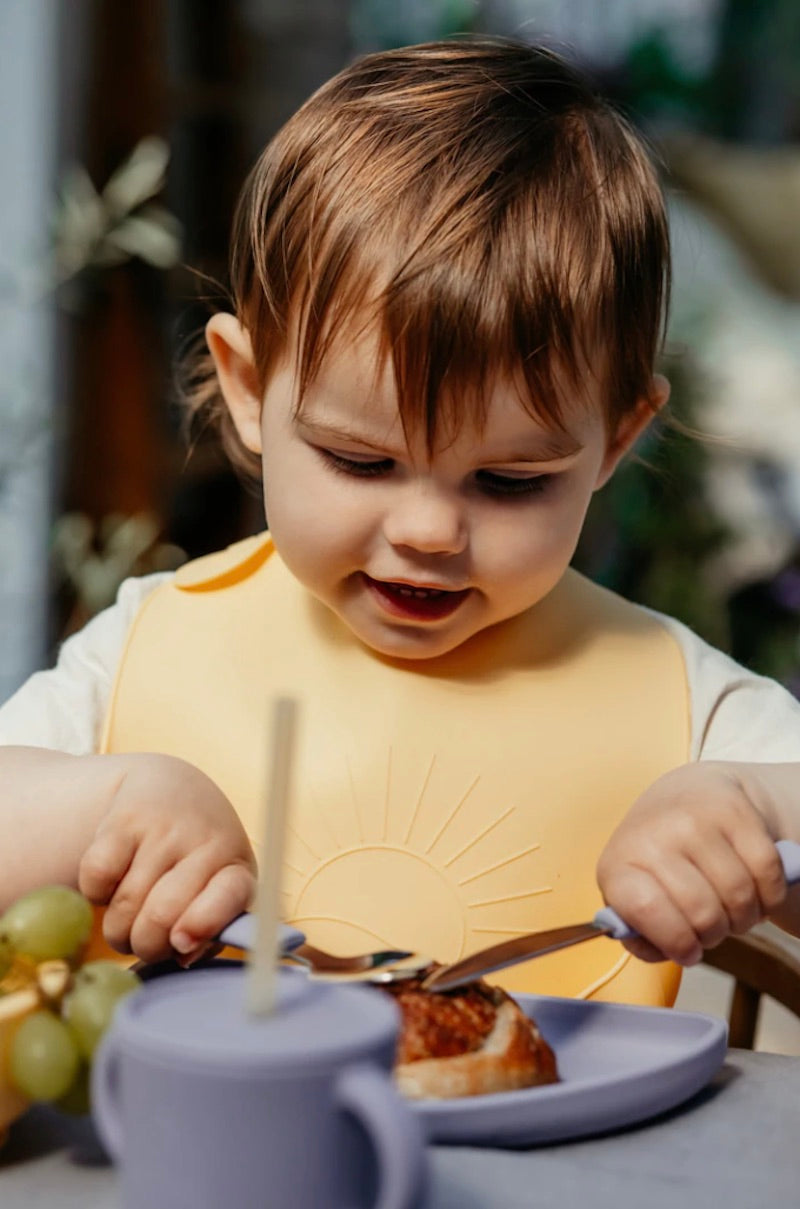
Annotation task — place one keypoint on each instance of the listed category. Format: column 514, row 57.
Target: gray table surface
column 736, row 1145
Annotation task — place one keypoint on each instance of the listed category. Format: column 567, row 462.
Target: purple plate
column 618, row 1065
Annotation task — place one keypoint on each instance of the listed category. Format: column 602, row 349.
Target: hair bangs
column 478, row 295
column 483, row 212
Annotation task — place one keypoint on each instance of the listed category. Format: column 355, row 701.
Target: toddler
column 449, row 274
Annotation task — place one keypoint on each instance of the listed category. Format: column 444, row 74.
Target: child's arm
column 694, row 859
column 149, row 836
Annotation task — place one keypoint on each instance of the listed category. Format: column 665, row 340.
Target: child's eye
column 510, row 485
column 354, row 466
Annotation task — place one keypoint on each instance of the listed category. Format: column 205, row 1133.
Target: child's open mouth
column 412, row 602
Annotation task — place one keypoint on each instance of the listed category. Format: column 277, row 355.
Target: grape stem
column 53, row 979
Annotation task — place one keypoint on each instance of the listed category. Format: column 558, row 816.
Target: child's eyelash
column 350, row 466
column 506, row 485
column 497, row 485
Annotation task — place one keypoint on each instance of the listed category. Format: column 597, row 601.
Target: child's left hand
column 693, row 861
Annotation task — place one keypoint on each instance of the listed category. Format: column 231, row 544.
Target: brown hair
column 484, row 206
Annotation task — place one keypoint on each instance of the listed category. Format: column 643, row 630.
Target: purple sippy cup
column 203, row 1105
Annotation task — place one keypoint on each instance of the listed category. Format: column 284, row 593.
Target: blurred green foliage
column 749, row 90
column 650, row 531
column 383, row 24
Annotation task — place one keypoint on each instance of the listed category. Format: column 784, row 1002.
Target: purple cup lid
column 202, row 1019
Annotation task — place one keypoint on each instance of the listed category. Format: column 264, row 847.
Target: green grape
column 77, row 1101
column 6, row 955
column 108, row 975
column 43, row 1058
column 88, row 1011
column 51, row 922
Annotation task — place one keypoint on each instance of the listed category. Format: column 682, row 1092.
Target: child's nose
column 427, row 520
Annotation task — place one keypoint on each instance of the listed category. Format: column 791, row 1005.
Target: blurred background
column 128, row 130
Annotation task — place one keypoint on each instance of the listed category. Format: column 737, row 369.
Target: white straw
column 261, row 978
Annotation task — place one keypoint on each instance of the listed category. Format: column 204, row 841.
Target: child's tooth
column 420, row 593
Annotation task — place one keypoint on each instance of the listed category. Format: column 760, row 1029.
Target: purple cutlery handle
column 788, row 851
column 607, row 919
column 241, row 934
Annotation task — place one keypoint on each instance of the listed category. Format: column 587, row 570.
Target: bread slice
column 466, row 1042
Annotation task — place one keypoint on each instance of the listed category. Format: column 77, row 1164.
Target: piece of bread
column 466, row 1042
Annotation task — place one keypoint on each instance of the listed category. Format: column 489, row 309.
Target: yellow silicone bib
column 440, row 806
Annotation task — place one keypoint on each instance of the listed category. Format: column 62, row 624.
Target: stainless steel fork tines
column 317, row 961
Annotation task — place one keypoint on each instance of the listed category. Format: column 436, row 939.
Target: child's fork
column 240, row 934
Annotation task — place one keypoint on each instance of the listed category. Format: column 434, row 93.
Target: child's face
column 417, row 554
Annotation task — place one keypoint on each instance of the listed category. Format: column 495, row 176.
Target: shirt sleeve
column 736, row 714
column 64, row 708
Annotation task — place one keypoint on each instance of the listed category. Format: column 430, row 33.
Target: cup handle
column 105, row 1082
column 393, row 1130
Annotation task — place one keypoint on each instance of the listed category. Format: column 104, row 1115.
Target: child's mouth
column 412, row 602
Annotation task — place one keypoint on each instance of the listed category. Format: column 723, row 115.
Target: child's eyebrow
column 549, row 447
column 338, row 432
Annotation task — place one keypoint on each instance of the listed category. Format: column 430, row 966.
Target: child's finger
column 205, row 952
column 167, row 900
column 647, row 904
column 643, row 949
column 104, row 864
column 226, row 894
column 759, row 854
column 722, row 867
column 697, row 899
column 149, row 865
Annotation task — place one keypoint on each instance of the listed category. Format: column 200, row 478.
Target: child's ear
column 229, row 345
column 631, row 427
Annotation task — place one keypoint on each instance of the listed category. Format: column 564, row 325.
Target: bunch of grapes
column 42, row 938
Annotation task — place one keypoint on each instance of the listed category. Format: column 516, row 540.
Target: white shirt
column 735, row 715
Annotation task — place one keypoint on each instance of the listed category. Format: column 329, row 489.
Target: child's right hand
column 694, row 860
column 170, row 860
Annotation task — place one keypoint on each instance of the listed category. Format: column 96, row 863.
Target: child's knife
column 524, row 948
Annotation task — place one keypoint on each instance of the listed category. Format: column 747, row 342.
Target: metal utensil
column 240, row 934
column 524, row 948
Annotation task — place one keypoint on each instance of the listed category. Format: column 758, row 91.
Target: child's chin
column 410, row 643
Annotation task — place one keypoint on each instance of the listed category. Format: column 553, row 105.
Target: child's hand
column 692, row 862
column 170, row 860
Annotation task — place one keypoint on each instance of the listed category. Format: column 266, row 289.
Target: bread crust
column 472, row 1041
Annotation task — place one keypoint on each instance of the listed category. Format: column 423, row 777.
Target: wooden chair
column 759, row 966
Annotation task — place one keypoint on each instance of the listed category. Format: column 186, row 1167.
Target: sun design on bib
column 409, row 856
